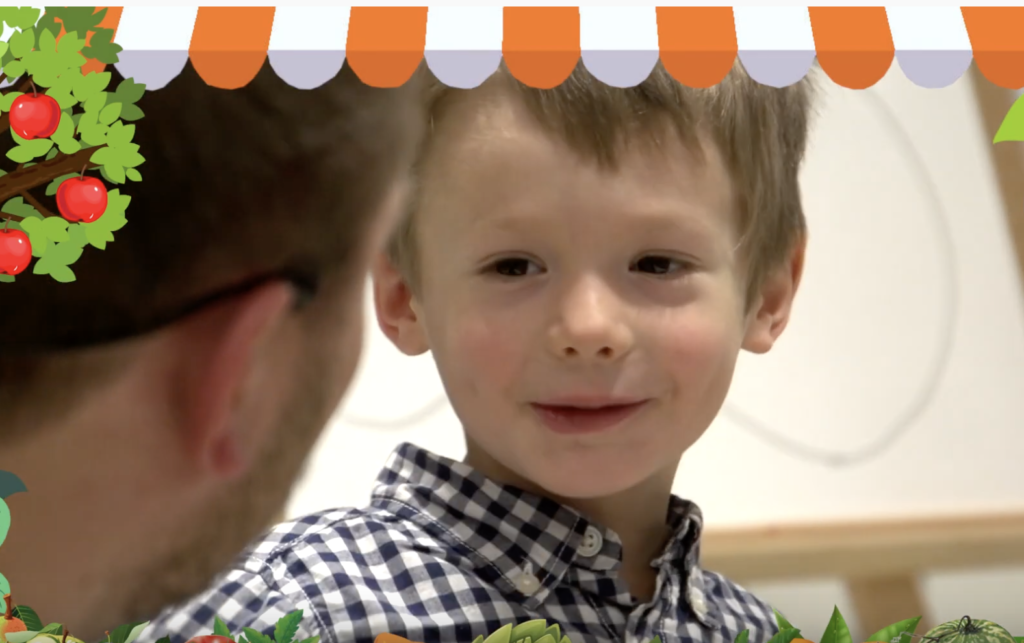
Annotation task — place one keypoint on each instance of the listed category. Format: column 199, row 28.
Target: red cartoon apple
column 82, row 198
column 212, row 638
column 34, row 116
column 15, row 251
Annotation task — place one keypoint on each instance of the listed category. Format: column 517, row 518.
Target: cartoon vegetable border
column 69, row 135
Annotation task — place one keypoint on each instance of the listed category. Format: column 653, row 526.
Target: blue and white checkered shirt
column 443, row 555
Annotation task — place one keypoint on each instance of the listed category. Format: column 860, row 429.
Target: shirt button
column 697, row 603
column 592, row 542
column 527, row 583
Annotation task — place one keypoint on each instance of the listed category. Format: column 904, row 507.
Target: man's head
column 231, row 303
column 585, row 264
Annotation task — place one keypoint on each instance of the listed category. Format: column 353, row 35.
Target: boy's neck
column 637, row 515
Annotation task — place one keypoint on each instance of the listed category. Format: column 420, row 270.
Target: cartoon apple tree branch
column 68, row 140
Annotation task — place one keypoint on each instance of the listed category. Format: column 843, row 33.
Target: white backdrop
column 895, row 391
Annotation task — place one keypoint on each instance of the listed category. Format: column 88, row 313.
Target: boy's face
column 585, row 322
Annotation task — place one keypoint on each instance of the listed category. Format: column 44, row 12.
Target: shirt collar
column 505, row 531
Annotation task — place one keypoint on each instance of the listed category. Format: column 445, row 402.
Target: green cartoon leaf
column 19, row 17
column 102, row 47
column 256, row 637
column 120, row 135
column 8, row 100
column 42, row 231
column 22, row 42
column 96, row 103
column 129, row 92
column 501, row 635
column 110, row 113
column 133, row 175
column 785, row 636
column 20, row 154
column 19, row 208
column 92, row 133
column 530, row 629
column 6, row 279
column 131, row 113
column 53, row 628
column 65, row 129
column 5, row 526
column 135, row 632
column 63, row 97
column 14, row 69
column 781, row 620
column 114, row 174
column 1012, row 128
column 287, row 627
column 55, row 263
column 29, row 617
column 90, row 85
column 887, row 634
column 836, row 631
column 743, row 637
column 220, row 629
column 5, row 587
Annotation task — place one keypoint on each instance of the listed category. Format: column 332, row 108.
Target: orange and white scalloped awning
column 307, row 46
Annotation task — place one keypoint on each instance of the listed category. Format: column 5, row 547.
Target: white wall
column 905, row 356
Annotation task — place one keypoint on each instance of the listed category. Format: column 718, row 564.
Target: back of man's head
column 238, row 184
column 160, row 407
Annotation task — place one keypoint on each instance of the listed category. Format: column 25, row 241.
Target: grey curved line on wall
column 771, row 436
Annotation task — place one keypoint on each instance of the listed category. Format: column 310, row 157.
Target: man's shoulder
column 739, row 609
column 342, row 558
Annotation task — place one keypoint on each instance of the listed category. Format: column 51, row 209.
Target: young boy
column 585, row 265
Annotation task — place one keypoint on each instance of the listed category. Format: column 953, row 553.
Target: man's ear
column 216, row 356
column 770, row 312
column 396, row 309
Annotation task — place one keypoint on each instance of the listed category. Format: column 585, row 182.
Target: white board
column 895, row 392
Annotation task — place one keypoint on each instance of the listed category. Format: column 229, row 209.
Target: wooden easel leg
column 883, row 600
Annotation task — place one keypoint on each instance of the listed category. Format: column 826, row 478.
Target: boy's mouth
column 586, row 417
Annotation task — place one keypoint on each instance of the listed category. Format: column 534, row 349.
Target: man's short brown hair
column 237, row 184
column 760, row 131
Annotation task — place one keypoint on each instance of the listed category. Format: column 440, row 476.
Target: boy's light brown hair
column 760, row 131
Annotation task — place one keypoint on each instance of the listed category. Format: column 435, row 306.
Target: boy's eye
column 513, row 267
column 657, row 265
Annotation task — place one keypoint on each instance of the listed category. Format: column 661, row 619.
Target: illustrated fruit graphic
column 54, row 638
column 9, row 624
column 15, row 251
column 211, row 638
column 968, row 630
column 35, row 116
column 82, row 198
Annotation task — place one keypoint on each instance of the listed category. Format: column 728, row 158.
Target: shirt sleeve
column 241, row 599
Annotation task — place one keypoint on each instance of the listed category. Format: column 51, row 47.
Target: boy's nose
column 591, row 326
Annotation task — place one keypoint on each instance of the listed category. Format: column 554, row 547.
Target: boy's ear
column 396, row 310
column 770, row 312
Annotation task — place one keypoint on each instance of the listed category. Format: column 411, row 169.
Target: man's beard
column 244, row 511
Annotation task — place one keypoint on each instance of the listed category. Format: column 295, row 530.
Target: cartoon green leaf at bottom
column 1012, row 128
column 836, row 631
column 896, row 629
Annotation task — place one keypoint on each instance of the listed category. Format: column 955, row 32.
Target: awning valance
column 855, row 46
